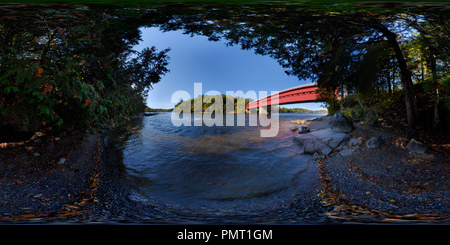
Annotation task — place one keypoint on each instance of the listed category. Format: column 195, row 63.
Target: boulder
column 354, row 142
column 330, row 137
column 374, row 142
column 415, row 146
column 318, row 141
column 340, row 123
column 294, row 128
column 310, row 143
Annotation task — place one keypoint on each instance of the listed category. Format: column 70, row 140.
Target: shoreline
column 89, row 187
column 387, row 183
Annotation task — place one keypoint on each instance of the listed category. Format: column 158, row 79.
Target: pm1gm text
column 247, row 234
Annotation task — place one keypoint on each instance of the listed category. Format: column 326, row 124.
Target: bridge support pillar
column 262, row 111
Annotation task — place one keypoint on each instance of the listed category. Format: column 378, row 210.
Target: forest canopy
column 73, row 66
column 375, row 52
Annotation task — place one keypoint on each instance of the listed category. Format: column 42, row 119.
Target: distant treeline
column 210, row 103
column 300, row 110
column 148, row 109
column 214, row 103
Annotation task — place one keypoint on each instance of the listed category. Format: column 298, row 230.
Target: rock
column 62, row 160
column 294, row 128
column 326, row 151
column 37, row 141
column 354, row 142
column 340, row 123
column 309, row 143
column 415, row 146
column 374, row 142
column 298, row 122
column 36, row 135
column 342, row 147
column 304, row 131
column 317, row 156
column 317, row 141
column 36, row 154
column 330, row 137
column 347, row 152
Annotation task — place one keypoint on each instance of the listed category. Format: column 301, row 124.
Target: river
column 220, row 169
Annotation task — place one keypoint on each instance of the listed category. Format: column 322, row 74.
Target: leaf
column 8, row 89
column 48, row 88
column 60, row 122
column 44, row 109
column 39, row 95
column 39, row 72
column 25, row 216
column 86, row 102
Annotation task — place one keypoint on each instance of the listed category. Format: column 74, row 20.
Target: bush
column 76, row 74
column 333, row 106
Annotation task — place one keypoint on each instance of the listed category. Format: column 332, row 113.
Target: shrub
column 72, row 70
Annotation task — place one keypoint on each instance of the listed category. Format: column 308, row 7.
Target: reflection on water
column 209, row 166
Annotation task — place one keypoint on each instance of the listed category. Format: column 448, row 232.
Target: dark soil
column 35, row 186
column 389, row 183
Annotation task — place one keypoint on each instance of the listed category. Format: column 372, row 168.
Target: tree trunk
column 389, row 84
column 436, row 118
column 412, row 113
column 410, row 101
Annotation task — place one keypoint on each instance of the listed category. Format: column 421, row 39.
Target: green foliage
column 76, row 66
column 333, row 106
column 299, row 110
column 70, row 67
column 207, row 103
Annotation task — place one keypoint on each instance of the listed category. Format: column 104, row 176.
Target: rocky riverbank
column 378, row 174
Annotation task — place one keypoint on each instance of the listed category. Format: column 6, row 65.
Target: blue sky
column 216, row 66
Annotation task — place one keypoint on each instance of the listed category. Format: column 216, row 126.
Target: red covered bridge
column 300, row 94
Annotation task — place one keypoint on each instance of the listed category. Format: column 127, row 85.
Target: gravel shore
column 386, row 184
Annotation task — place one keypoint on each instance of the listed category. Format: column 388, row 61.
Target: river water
column 221, row 169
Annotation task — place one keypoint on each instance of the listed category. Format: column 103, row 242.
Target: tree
column 327, row 46
column 432, row 41
column 69, row 67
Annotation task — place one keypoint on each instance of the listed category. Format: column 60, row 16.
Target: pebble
column 62, row 160
column 36, row 154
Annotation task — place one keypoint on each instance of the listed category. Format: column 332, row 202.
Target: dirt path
column 48, row 176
